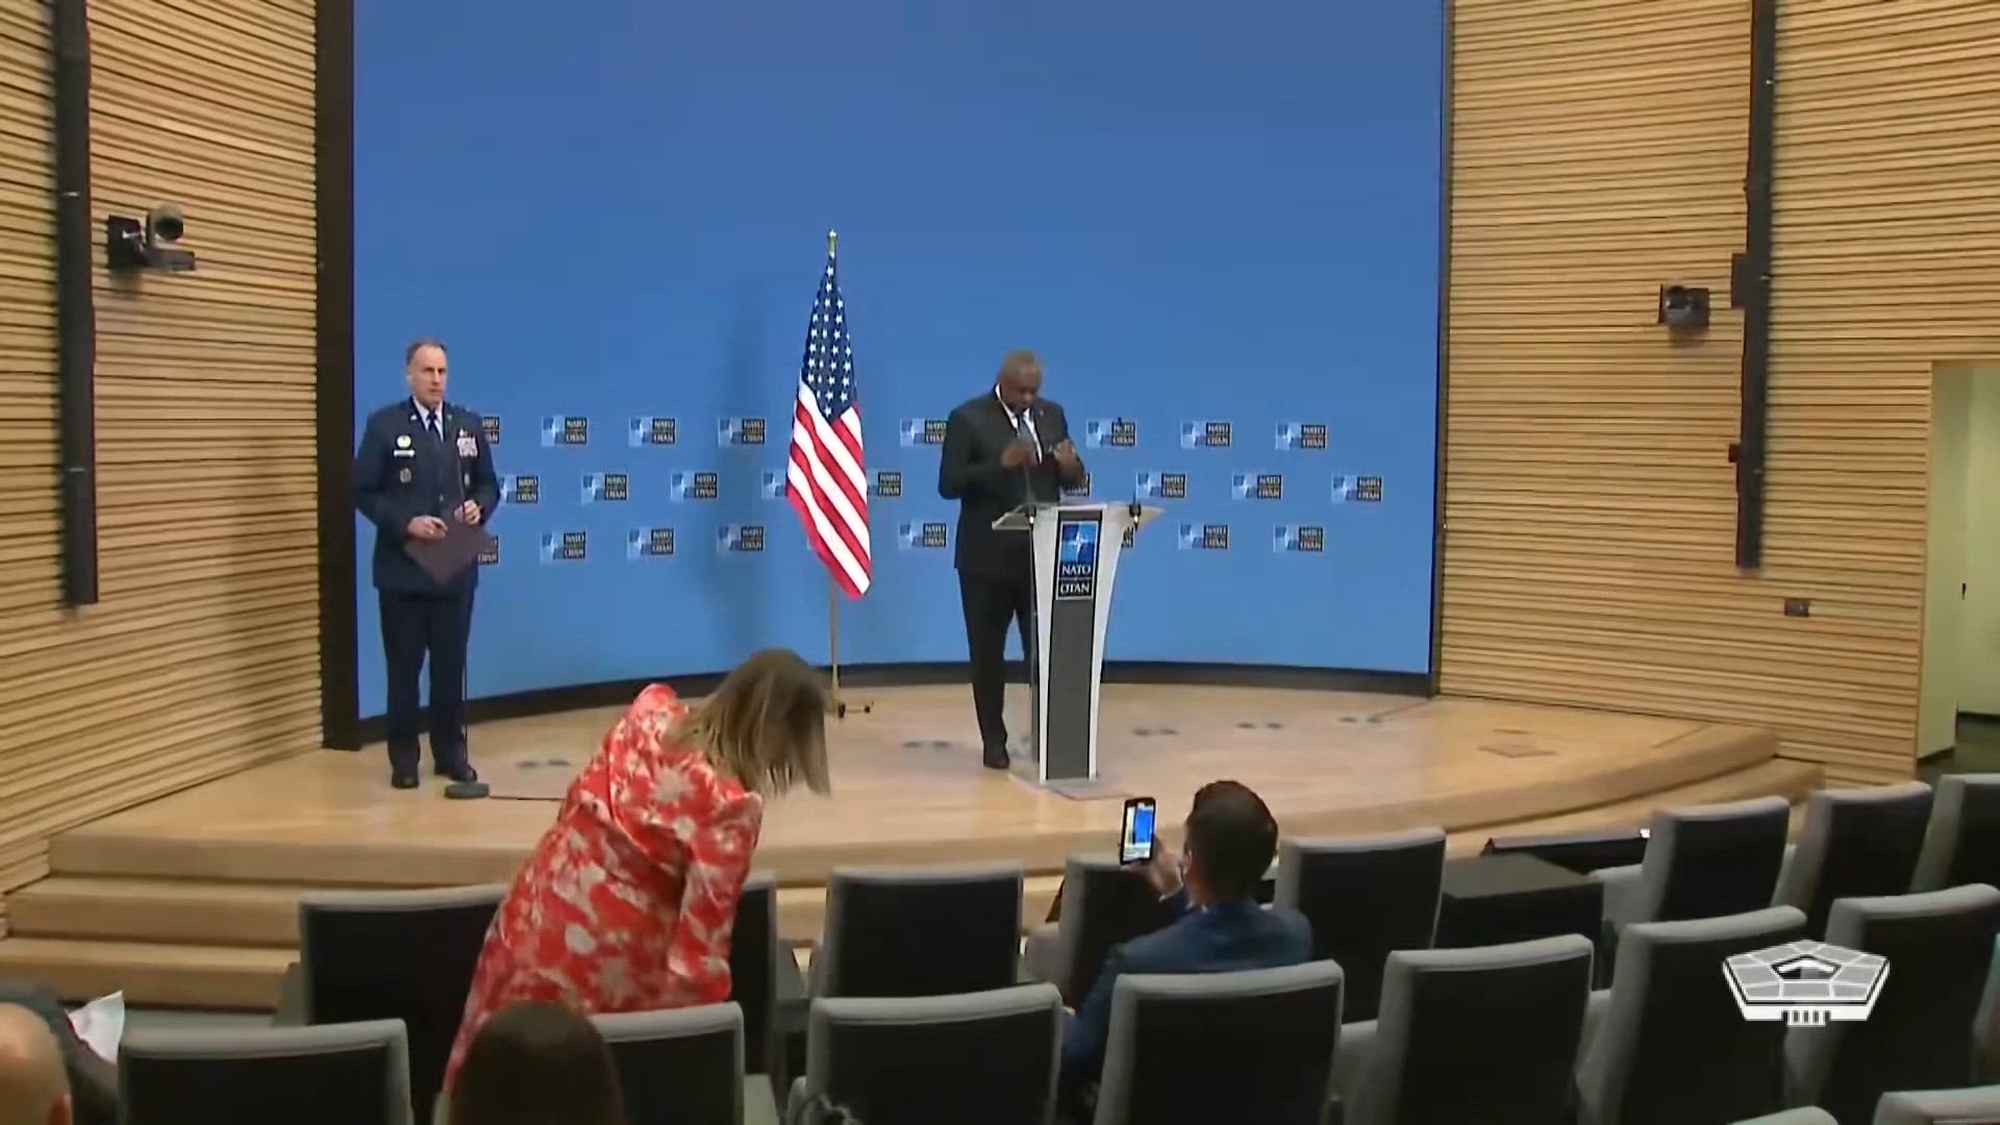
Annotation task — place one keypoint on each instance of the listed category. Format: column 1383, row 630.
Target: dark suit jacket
column 1226, row 937
column 969, row 471
column 401, row 473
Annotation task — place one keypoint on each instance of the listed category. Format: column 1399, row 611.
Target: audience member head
column 766, row 724
column 537, row 1064
column 1020, row 380
column 34, row 1089
column 1231, row 839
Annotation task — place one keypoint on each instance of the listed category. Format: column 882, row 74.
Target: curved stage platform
column 191, row 900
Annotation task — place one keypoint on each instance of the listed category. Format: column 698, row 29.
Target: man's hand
column 1066, row 456
column 469, row 513
column 426, row 527
column 1163, row 874
column 1016, row 455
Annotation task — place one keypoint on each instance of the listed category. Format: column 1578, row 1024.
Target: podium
column 1076, row 551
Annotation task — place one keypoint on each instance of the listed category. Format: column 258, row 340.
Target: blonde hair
column 765, row 724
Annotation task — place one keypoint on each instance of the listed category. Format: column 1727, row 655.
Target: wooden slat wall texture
column 202, row 658
column 1599, row 150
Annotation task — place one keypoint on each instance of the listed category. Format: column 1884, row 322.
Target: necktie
column 1022, row 431
column 431, row 423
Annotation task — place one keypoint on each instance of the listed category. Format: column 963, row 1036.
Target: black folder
column 445, row 559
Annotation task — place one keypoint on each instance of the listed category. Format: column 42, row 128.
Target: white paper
column 101, row 1024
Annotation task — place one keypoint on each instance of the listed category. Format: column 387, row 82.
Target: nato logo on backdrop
column 1204, row 537
column 888, row 484
column 1357, row 490
column 489, row 555
column 652, row 429
column 564, row 546
column 773, row 485
column 1161, row 486
column 1205, row 435
column 565, row 429
column 600, row 488
column 1257, row 486
column 921, row 431
column 520, row 488
column 732, row 433
column 1076, row 559
column 737, row 538
column 928, row 536
column 694, row 486
column 649, row 543
column 489, row 428
column 1305, row 537
column 1301, row 435
column 1110, row 433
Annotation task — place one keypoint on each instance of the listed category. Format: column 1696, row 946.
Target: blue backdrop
column 1220, row 233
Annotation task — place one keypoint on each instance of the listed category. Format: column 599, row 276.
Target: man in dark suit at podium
column 1007, row 447
column 423, row 464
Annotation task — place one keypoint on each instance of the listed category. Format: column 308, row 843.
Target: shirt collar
column 425, row 413
column 1013, row 416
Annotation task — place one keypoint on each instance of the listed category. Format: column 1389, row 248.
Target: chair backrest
column 1366, row 897
column 397, row 955
column 1710, row 861
column 1243, row 1046
column 1939, row 948
column 920, row 931
column 1962, row 843
column 1673, row 1047
column 1103, row 904
column 1856, row 843
column 753, row 966
column 683, row 1066
column 1976, row 1106
column 983, row 1056
column 340, row 1074
column 1482, row 1034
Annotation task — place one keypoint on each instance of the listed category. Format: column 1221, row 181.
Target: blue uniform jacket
column 401, row 472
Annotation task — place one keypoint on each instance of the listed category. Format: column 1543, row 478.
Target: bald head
column 33, row 1087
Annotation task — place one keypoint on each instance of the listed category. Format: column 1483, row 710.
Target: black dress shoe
column 997, row 759
column 404, row 779
column 459, row 773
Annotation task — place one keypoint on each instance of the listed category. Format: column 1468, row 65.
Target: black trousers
column 992, row 602
column 415, row 626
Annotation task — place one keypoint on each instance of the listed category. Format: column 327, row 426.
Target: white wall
column 1944, row 568
column 1979, row 629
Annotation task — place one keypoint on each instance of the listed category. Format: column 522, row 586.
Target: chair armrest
column 1041, row 957
column 1351, row 1053
column 1621, row 888
column 760, row 1103
column 1782, row 891
column 1594, row 1010
column 291, row 998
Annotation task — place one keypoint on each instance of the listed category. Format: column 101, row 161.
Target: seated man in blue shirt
column 1230, row 840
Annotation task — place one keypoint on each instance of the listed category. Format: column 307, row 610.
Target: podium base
column 1085, row 789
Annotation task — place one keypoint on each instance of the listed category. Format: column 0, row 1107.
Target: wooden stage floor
column 909, row 788
column 193, row 897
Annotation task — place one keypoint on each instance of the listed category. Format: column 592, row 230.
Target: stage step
column 218, row 943
column 153, row 975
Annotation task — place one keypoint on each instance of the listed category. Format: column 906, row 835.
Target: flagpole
column 834, row 701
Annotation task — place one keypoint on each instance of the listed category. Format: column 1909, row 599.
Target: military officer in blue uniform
column 423, row 462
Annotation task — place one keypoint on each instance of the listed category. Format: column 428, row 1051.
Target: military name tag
column 404, row 476
column 466, row 446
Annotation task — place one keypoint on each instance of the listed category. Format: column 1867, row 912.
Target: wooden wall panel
column 202, row 657
column 1599, row 150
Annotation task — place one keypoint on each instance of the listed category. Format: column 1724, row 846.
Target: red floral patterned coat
column 628, row 901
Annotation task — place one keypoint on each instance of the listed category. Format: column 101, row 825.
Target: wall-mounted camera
column 152, row 243
column 1683, row 308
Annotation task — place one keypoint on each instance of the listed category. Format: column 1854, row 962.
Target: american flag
column 827, row 480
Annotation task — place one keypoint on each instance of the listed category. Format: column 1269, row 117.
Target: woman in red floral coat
column 628, row 901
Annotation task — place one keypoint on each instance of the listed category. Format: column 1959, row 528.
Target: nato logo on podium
column 1076, row 560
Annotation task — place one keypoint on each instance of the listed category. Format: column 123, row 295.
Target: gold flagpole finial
column 832, row 242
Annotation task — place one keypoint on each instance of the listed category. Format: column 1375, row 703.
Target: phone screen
column 1135, row 838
